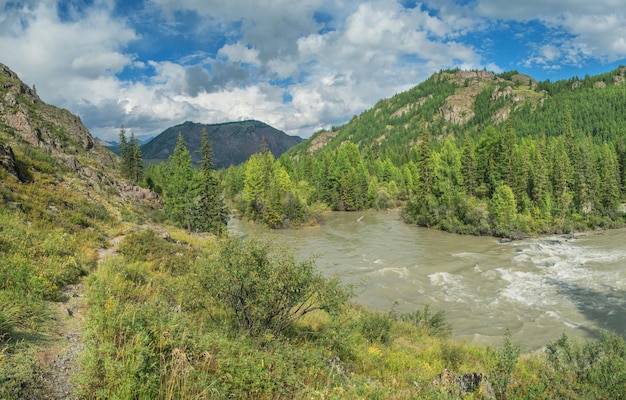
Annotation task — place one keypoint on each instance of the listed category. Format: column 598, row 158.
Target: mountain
column 456, row 102
column 233, row 142
column 27, row 121
column 52, row 167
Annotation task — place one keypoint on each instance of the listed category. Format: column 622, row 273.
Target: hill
column 233, row 142
column 456, row 102
column 61, row 199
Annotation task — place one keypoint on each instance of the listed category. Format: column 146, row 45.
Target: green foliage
column 158, row 333
column 21, row 374
column 376, row 327
column 132, row 158
column 503, row 211
column 432, row 324
column 160, row 252
column 211, row 212
column 501, row 372
column 265, row 291
column 181, row 190
column 587, row 369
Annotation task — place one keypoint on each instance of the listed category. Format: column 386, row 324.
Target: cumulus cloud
column 299, row 66
column 597, row 29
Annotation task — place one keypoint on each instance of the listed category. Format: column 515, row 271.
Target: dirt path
column 61, row 358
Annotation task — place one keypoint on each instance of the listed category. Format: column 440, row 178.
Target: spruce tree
column 212, row 214
column 134, row 160
column 123, row 150
column 180, row 192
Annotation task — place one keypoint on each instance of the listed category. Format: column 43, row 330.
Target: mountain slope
column 456, row 102
column 233, row 142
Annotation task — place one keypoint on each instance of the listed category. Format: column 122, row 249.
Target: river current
column 538, row 288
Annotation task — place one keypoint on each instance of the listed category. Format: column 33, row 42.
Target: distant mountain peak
column 233, row 142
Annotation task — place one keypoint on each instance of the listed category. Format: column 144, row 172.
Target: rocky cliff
column 31, row 130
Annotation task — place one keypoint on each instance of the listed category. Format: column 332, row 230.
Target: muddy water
column 538, row 288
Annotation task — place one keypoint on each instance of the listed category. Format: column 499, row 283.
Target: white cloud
column 598, row 28
column 339, row 56
column 239, row 53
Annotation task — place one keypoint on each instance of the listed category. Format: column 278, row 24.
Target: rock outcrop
column 7, row 161
column 57, row 131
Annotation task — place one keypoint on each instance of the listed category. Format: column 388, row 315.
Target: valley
column 118, row 289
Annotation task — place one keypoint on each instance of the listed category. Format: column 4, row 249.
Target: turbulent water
column 537, row 288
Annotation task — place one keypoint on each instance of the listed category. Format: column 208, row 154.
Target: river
column 537, row 288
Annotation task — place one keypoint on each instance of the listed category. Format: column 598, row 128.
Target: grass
column 50, row 229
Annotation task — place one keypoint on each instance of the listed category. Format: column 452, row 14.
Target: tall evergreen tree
column 212, row 214
column 123, row 149
column 181, row 189
column 132, row 159
column 609, row 174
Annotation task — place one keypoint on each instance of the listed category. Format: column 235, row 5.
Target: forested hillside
column 464, row 151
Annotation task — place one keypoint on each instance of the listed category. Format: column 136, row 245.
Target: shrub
column 506, row 359
column 589, row 369
column 433, row 324
column 376, row 327
column 266, row 291
column 147, row 246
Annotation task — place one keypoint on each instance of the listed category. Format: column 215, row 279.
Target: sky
column 297, row 65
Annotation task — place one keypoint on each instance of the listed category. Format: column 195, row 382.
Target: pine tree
column 124, row 151
column 134, row 160
column 181, row 190
column 609, row 174
column 469, row 166
column 212, row 214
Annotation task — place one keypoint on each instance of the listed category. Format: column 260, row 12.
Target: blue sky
column 300, row 66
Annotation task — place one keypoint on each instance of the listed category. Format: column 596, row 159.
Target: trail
column 61, row 358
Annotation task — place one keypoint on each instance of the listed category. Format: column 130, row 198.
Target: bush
column 266, row 291
column 588, row 369
column 376, row 327
column 147, row 246
column 433, row 324
column 506, row 359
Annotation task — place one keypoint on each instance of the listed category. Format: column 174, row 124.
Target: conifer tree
column 469, row 166
column 181, row 188
column 212, row 214
column 609, row 174
column 123, row 149
column 132, row 159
